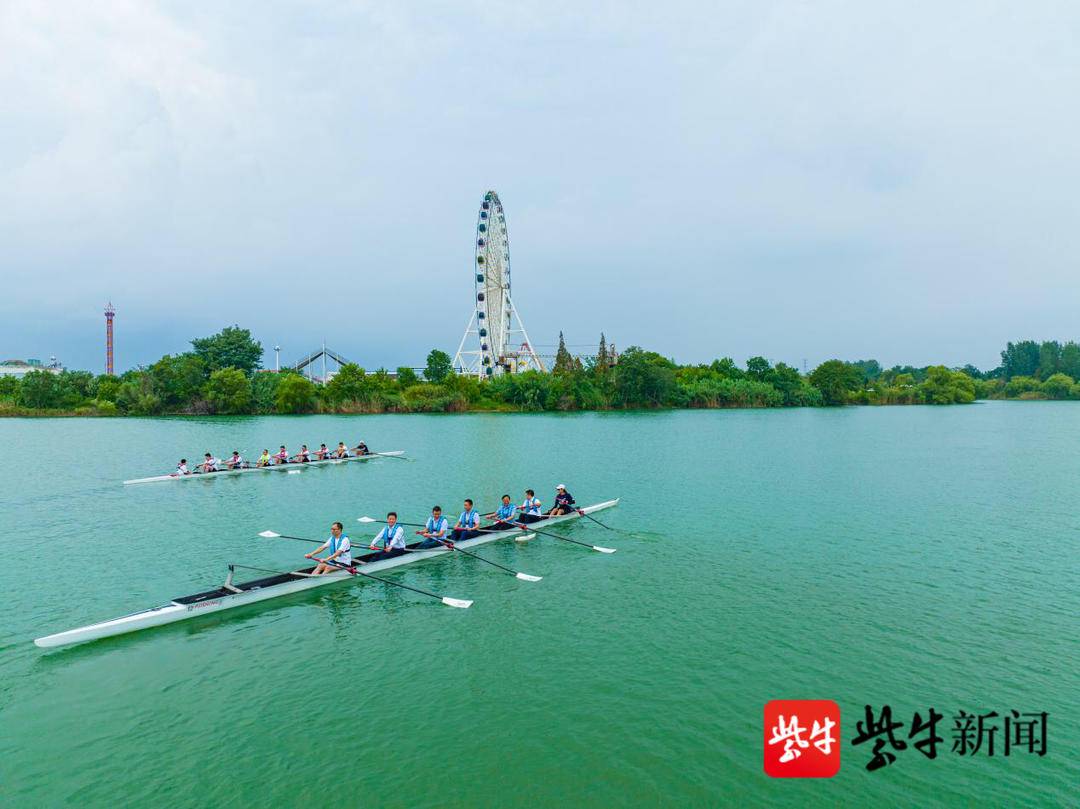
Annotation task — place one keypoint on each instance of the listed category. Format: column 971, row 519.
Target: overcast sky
column 798, row 180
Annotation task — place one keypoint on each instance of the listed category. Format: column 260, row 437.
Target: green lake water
column 909, row 556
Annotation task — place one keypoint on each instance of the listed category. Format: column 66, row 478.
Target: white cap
column 561, row 486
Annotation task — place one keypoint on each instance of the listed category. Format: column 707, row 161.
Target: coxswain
column 564, row 502
column 281, row 456
column 467, row 523
column 210, row 463
column 322, row 452
column 361, row 449
column 264, row 459
column 303, row 456
column 435, row 529
column 235, row 462
column 340, row 552
column 503, row 515
column 530, row 508
column 342, row 451
column 181, row 468
column 390, row 540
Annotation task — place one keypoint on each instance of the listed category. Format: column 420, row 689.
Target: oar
column 453, row 547
column 530, row 527
column 384, row 455
column 450, row 602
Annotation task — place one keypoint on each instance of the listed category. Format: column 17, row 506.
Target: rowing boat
column 290, row 466
column 231, row 595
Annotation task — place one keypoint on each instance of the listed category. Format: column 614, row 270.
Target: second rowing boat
column 291, row 466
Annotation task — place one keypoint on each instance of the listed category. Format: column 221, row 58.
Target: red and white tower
column 110, row 313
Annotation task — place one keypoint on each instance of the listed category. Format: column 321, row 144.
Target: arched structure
column 499, row 342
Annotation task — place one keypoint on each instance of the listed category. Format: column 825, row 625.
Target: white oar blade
column 525, row 537
column 293, row 472
column 457, row 602
column 366, row 519
column 527, row 577
column 603, row 550
column 268, row 534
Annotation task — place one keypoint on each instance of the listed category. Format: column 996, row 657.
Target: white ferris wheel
column 495, row 341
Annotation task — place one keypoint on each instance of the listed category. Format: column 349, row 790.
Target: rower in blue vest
column 564, row 502
column 530, row 509
column 503, row 515
column 390, row 540
column 467, row 524
column 435, row 529
column 340, row 552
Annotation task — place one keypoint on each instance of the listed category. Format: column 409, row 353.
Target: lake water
column 908, row 556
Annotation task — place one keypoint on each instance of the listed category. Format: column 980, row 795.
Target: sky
column 794, row 180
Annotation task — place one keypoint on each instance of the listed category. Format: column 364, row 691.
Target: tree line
column 222, row 375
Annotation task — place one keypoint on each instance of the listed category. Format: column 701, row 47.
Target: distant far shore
column 222, row 376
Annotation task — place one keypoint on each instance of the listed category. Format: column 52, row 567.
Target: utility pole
column 277, row 359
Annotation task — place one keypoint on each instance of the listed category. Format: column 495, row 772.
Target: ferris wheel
column 499, row 341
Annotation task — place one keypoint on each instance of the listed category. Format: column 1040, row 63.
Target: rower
column 361, row 449
column 322, row 452
column 342, row 451
column 503, row 515
column 435, row 529
column 391, row 540
column 467, row 524
column 281, row 456
column 210, row 463
column 264, row 459
column 564, row 502
column 181, row 468
column 303, row 456
column 340, row 551
column 530, row 508
column 235, row 462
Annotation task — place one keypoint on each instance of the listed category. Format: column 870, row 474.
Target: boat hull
column 284, row 584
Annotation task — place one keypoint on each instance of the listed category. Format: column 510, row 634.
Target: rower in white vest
column 390, row 540
column 530, row 509
column 210, row 463
column 467, row 523
column 435, row 529
column 503, row 515
column 235, row 462
column 340, row 552
column 182, row 468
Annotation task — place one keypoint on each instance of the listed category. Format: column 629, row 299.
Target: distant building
column 20, row 368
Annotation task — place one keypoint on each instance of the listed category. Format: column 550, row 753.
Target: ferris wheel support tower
column 495, row 340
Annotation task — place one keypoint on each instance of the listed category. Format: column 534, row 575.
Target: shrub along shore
column 221, row 375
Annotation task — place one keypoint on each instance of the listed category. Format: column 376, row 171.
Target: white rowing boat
column 291, row 466
column 231, row 595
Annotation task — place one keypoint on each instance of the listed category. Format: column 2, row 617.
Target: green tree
column 40, row 390
column 602, row 364
column 232, row 347
column 1020, row 359
column 564, row 362
column 1069, row 361
column 406, row 377
column 350, row 384
column 1058, row 386
column 644, row 379
column 835, row 379
column 295, row 394
column 9, row 387
column 264, row 386
column 1049, row 358
column 758, row 368
column 726, row 367
column 105, row 388
column 439, row 366
column 1019, row 385
column 868, row 369
column 179, row 379
column 943, row 386
column 229, row 391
